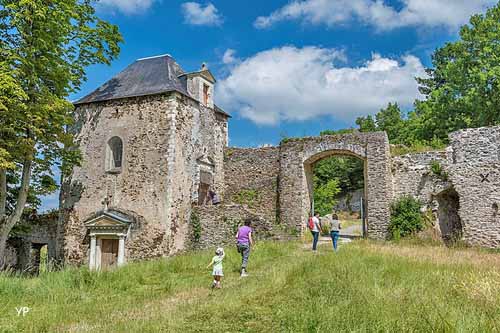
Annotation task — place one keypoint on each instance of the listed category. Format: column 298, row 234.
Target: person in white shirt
column 315, row 230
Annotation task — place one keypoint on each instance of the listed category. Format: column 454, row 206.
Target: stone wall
column 251, row 178
column 412, row 176
column 169, row 138
column 467, row 197
column 350, row 202
column 199, row 142
column 474, row 171
column 214, row 226
column 23, row 248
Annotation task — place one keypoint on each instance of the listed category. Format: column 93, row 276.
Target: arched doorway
column 336, row 185
column 297, row 157
column 450, row 223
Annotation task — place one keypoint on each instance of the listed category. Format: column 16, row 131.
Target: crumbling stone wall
column 468, row 198
column 474, row 171
column 412, row 176
column 214, row 226
column 251, row 178
column 23, row 248
column 200, row 137
column 350, row 202
column 163, row 135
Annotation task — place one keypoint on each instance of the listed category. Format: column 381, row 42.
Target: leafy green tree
column 324, row 196
column 337, row 132
column 366, row 124
column 390, row 119
column 347, row 170
column 463, row 87
column 45, row 47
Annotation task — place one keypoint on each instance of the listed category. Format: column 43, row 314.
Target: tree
column 45, row 47
column 346, row 170
column 463, row 87
column 390, row 120
column 366, row 124
column 324, row 196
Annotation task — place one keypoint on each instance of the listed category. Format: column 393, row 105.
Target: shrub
column 325, row 228
column 406, row 218
column 438, row 170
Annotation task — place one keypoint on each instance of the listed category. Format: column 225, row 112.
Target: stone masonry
column 468, row 198
column 251, row 178
column 295, row 190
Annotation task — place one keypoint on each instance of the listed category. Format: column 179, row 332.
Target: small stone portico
column 108, row 232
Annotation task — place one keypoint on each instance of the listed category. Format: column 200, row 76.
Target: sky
column 290, row 68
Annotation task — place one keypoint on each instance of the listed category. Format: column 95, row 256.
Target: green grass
column 365, row 287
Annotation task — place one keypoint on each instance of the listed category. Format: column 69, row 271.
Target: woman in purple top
column 244, row 241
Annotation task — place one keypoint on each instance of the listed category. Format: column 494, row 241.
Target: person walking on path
column 315, row 230
column 335, row 230
column 217, row 272
column 243, row 243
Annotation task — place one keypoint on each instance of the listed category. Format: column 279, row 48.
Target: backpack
column 310, row 223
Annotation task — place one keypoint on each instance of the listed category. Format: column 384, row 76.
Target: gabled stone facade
column 142, row 157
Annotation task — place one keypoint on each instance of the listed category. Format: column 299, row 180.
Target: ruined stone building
column 153, row 143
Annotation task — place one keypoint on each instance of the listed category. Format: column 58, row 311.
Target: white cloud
column 228, row 57
column 428, row 13
column 126, row 6
column 295, row 84
column 196, row 14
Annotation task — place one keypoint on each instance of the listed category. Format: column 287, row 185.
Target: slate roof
column 147, row 76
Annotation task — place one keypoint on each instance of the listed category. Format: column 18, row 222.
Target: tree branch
column 22, row 197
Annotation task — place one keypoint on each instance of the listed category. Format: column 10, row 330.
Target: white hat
column 219, row 250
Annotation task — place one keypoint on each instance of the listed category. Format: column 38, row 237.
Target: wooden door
column 109, row 252
column 203, row 193
column 205, row 181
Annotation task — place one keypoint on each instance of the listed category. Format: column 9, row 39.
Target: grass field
column 365, row 287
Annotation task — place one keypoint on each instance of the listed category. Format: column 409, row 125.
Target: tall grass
column 365, row 287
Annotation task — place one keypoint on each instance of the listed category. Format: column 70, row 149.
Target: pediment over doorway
column 205, row 161
column 109, row 219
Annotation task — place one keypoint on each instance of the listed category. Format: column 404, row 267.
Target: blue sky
column 290, row 68
column 336, row 39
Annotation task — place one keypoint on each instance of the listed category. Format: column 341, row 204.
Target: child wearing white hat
column 217, row 269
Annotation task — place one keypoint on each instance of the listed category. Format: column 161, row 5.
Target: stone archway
column 295, row 188
column 449, row 221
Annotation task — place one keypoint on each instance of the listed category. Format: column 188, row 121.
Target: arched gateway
column 295, row 185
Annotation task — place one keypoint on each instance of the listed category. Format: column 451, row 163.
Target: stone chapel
column 152, row 143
